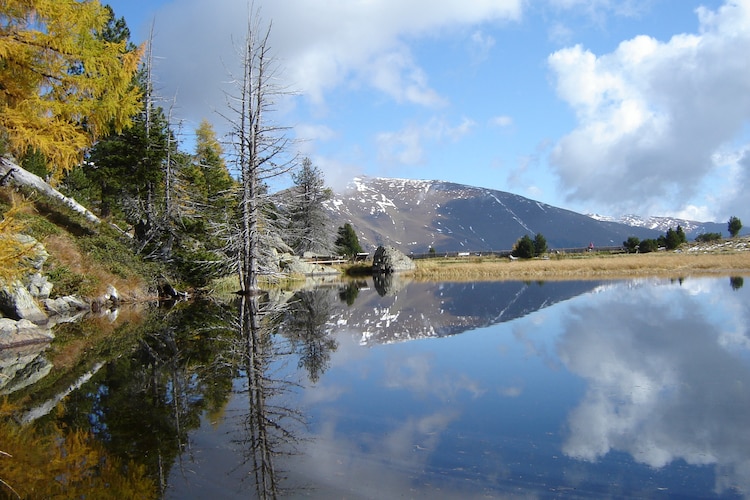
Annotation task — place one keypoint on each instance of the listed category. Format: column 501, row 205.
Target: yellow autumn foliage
column 13, row 252
column 61, row 85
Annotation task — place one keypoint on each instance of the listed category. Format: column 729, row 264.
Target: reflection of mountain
column 417, row 310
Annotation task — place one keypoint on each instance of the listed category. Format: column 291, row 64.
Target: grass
column 586, row 266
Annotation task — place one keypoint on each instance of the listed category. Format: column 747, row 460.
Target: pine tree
column 347, row 242
column 63, row 85
column 309, row 222
column 209, row 156
column 733, row 226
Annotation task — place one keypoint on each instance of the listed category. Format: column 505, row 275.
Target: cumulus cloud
column 322, row 47
column 651, row 114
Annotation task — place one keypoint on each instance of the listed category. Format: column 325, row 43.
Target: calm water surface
column 451, row 390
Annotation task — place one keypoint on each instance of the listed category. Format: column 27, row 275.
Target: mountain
column 661, row 224
column 410, row 310
column 414, row 215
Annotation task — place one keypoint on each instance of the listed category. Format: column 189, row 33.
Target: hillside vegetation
column 84, row 258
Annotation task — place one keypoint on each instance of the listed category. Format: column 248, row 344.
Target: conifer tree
column 62, row 84
column 309, row 222
column 347, row 242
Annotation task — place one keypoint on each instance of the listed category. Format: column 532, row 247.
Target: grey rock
column 22, row 366
column 38, row 256
column 17, row 303
column 38, row 286
column 389, row 260
column 22, row 332
column 291, row 264
column 65, row 305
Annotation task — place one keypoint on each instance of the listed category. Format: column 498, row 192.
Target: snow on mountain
column 414, row 215
column 661, row 224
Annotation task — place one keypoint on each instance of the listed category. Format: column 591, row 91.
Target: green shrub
column 67, row 282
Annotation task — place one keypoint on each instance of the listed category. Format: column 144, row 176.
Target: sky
column 610, row 107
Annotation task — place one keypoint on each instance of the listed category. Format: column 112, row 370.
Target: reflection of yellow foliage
column 55, row 463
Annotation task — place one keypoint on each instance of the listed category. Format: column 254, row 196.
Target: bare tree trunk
column 260, row 149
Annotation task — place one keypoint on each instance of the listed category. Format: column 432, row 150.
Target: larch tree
column 260, row 147
column 62, row 84
column 309, row 223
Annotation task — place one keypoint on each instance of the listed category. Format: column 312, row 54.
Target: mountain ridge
column 416, row 215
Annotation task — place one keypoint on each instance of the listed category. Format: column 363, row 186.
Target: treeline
column 673, row 238
column 94, row 128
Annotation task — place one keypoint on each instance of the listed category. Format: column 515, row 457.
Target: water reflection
column 667, row 380
column 588, row 389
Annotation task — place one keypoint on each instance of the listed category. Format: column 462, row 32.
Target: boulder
column 17, row 303
column 65, row 305
column 22, row 332
column 291, row 264
column 389, row 260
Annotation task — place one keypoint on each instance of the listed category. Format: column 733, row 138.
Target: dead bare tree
column 261, row 147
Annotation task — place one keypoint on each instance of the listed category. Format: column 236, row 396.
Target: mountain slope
column 414, row 215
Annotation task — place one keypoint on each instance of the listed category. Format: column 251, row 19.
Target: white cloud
column 651, row 115
column 406, row 147
column 481, row 45
column 321, row 47
column 502, row 121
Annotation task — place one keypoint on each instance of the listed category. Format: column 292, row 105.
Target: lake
column 399, row 389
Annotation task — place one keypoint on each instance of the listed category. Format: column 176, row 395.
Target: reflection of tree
column 350, row 292
column 305, row 324
column 269, row 423
column 50, row 461
column 736, row 282
column 144, row 404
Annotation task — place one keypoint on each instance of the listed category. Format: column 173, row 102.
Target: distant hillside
column 661, row 224
column 414, row 215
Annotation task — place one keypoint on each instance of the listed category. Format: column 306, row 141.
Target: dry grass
column 65, row 252
column 583, row 266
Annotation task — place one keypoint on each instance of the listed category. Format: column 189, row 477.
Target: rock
column 389, row 260
column 22, row 366
column 38, row 286
column 65, row 305
column 113, row 296
column 22, row 332
column 38, row 256
column 17, row 303
column 291, row 264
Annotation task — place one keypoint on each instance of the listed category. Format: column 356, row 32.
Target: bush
column 648, row 245
column 706, row 237
column 631, row 244
column 540, row 244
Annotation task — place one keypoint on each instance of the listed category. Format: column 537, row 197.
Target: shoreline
column 586, row 267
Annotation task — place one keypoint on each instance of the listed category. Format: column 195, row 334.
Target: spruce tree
column 347, row 242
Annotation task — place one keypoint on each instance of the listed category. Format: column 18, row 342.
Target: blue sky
column 598, row 106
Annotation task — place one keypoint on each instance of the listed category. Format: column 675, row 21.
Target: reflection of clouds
column 416, row 373
column 363, row 466
column 662, row 385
